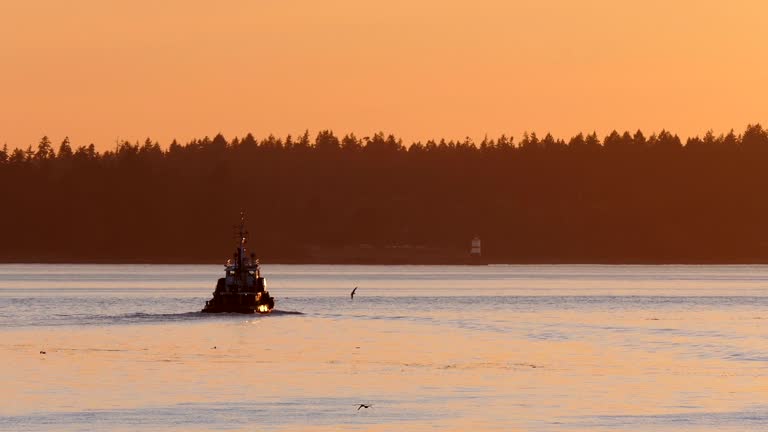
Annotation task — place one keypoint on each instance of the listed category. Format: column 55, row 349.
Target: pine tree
column 65, row 149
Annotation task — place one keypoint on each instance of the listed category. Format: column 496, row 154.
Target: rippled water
column 612, row 348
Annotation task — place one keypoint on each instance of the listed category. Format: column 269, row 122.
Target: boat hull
column 242, row 302
column 240, row 310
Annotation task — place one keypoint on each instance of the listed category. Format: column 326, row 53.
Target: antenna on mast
column 243, row 231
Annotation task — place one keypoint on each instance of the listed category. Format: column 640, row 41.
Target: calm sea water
column 540, row 348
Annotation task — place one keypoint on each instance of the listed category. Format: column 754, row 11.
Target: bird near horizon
column 364, row 406
column 352, row 294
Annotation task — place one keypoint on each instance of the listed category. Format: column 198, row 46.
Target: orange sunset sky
column 100, row 70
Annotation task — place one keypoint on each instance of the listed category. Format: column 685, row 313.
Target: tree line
column 625, row 197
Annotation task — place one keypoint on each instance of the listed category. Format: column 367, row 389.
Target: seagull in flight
column 352, row 294
column 364, row 406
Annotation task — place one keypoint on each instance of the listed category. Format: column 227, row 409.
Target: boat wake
column 188, row 316
column 282, row 312
column 140, row 317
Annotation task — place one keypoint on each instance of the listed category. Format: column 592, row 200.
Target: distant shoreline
column 369, row 255
column 466, row 262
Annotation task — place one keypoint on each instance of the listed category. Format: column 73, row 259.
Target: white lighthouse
column 475, row 250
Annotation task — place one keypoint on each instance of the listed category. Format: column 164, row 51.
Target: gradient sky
column 100, row 70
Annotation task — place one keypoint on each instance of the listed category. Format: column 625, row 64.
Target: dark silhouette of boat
column 242, row 289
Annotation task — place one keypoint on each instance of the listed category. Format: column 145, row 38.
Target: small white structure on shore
column 475, row 250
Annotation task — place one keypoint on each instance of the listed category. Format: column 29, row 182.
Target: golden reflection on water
column 546, row 371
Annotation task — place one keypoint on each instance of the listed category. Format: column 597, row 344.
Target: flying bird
column 364, row 406
column 42, row 352
column 352, row 294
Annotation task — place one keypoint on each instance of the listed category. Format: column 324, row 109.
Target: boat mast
column 241, row 247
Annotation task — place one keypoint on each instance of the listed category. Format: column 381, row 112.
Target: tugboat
column 242, row 290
